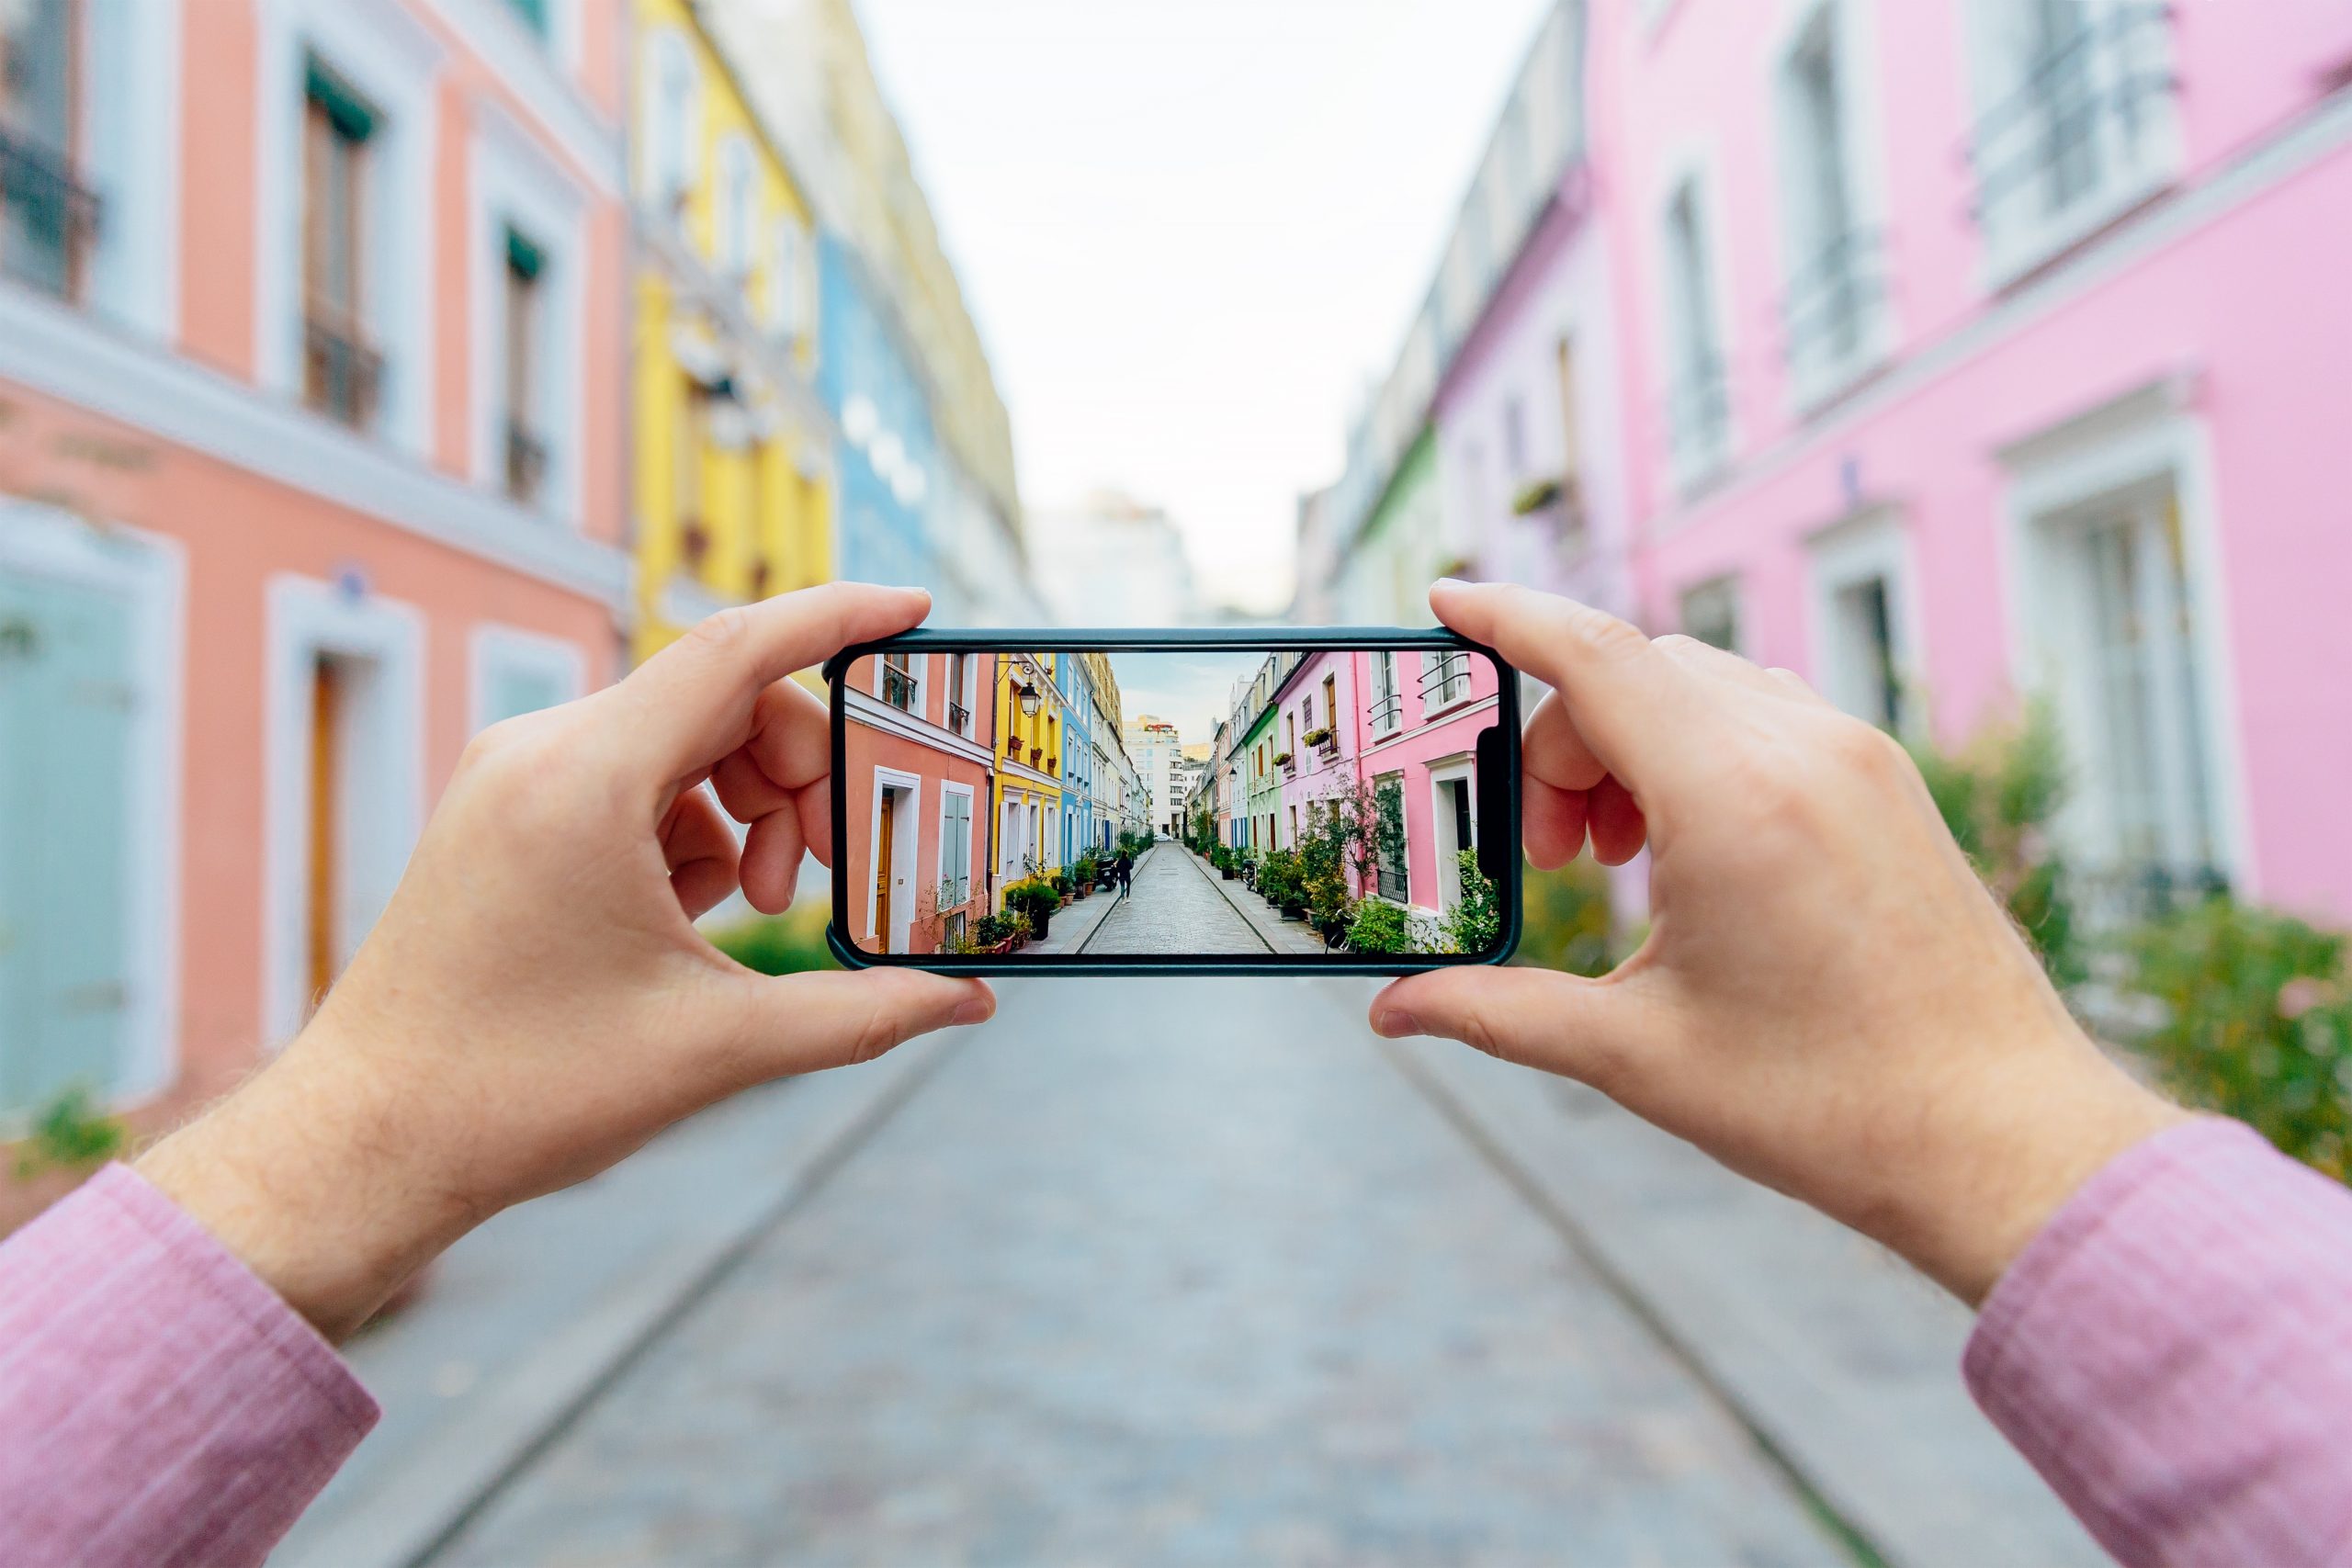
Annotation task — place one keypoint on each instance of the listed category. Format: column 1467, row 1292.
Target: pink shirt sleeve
column 158, row 1404
column 2174, row 1354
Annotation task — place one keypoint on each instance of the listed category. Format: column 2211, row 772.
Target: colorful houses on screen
column 1953, row 353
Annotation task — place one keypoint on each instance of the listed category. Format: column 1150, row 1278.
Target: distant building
column 1156, row 748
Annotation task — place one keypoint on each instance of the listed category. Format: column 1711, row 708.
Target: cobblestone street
column 1208, row 1276
column 1174, row 908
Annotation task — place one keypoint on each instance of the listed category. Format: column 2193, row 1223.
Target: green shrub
column 1379, row 926
column 991, row 929
column 1998, row 794
column 789, row 943
column 2258, row 1022
column 1475, row 924
column 1564, row 920
column 70, row 1133
column 1085, row 870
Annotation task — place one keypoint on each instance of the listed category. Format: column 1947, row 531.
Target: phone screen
column 1219, row 804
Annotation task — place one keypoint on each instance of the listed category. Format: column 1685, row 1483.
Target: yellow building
column 733, row 486
column 1028, row 767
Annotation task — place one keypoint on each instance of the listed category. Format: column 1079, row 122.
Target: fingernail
column 979, row 1010
column 1450, row 583
column 1391, row 1023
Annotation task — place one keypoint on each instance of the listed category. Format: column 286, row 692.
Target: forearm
column 158, row 1404
column 2173, row 1353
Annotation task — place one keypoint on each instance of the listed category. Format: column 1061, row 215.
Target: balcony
column 2084, row 134
column 959, row 719
column 1831, row 313
column 1386, row 711
column 897, row 688
column 1445, row 681
column 527, row 462
column 49, row 220
column 342, row 377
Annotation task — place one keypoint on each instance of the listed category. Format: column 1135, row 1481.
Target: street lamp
column 1030, row 697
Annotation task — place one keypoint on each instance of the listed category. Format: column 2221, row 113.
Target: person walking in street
column 1828, row 1001
column 1126, row 869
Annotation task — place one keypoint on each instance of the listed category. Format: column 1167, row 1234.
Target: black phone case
column 1499, row 838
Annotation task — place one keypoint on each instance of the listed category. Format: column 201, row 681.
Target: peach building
column 311, row 463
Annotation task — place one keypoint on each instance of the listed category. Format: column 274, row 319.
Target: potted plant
column 1035, row 901
column 1282, row 759
column 1322, row 737
column 1085, row 872
column 1378, row 926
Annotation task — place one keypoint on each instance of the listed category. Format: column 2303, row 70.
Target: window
column 1710, row 613
column 527, row 447
column 898, row 681
column 1386, row 709
column 1834, row 287
column 48, row 218
column 669, row 86
column 1860, row 604
column 1388, row 795
column 1862, row 628
column 1699, row 407
column 738, row 196
column 1445, row 679
column 955, row 848
column 1331, row 708
column 2075, row 119
column 1515, row 440
column 959, row 693
column 341, row 371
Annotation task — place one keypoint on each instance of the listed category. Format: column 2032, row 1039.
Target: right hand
column 1830, row 1001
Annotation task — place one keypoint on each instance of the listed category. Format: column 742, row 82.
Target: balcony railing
column 1832, row 302
column 1445, row 679
column 527, row 461
column 2078, row 120
column 959, row 719
column 1386, row 710
column 897, row 688
column 47, row 219
column 341, row 375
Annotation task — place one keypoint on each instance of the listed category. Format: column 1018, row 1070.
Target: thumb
column 805, row 1024
column 1597, row 1031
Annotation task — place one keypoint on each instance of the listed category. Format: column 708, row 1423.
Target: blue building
column 1078, row 755
column 890, row 460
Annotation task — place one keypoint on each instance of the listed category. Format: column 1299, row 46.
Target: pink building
column 312, row 340
column 1982, row 348
column 1419, row 723
column 1317, row 723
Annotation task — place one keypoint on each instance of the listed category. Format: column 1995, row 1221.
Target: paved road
column 1203, row 1279
column 1172, row 907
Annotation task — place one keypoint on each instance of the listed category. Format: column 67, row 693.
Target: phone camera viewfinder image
column 1218, row 806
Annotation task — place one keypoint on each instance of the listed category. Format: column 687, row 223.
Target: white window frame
column 1729, row 584
column 1695, row 166
column 1873, row 543
column 2016, row 244
column 516, row 185
column 306, row 619
column 1852, row 30
column 918, row 671
column 150, row 571
column 130, row 127
column 909, row 852
column 494, row 649
column 394, row 59
column 2144, row 439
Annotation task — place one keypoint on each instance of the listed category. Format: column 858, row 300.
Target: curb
column 422, row 1504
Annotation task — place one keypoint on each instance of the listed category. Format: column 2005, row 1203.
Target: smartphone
column 1249, row 801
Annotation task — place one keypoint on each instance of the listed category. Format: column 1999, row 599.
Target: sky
column 1194, row 231
column 1191, row 691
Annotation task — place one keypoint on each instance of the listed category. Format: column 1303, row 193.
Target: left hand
column 535, row 1002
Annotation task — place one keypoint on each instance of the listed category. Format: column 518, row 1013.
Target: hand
column 535, row 1002
column 1830, row 1001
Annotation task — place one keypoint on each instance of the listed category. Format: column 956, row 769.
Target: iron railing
column 2086, row 97
column 1386, row 710
column 1445, row 679
column 959, row 719
column 341, row 375
column 527, row 461
column 1833, row 299
column 49, row 220
column 897, row 688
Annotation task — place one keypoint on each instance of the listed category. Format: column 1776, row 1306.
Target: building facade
column 1028, row 783
column 303, row 479
column 2046, row 421
column 733, row 482
column 919, row 753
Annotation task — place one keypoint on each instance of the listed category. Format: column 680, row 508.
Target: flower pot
column 1227, row 873
column 1294, row 911
column 1041, row 922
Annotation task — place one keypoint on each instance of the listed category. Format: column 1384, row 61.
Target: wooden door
column 886, row 851
column 321, row 947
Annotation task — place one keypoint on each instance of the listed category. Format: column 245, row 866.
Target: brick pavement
column 1282, row 935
